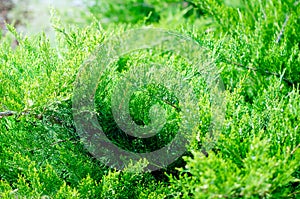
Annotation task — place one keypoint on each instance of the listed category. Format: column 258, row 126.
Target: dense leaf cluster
column 256, row 47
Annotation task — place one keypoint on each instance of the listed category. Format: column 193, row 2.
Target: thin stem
column 7, row 113
column 294, row 150
column 288, row 81
column 282, row 29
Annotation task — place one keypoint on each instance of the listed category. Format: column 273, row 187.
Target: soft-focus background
column 34, row 16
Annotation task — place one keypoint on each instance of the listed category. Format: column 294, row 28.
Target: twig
column 282, row 29
column 59, row 141
column 53, row 144
column 288, row 81
column 172, row 105
column 294, row 193
column 7, row 113
column 294, row 150
column 19, row 114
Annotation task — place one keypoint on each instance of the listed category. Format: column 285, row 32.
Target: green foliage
column 133, row 11
column 259, row 34
column 256, row 48
column 254, row 155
